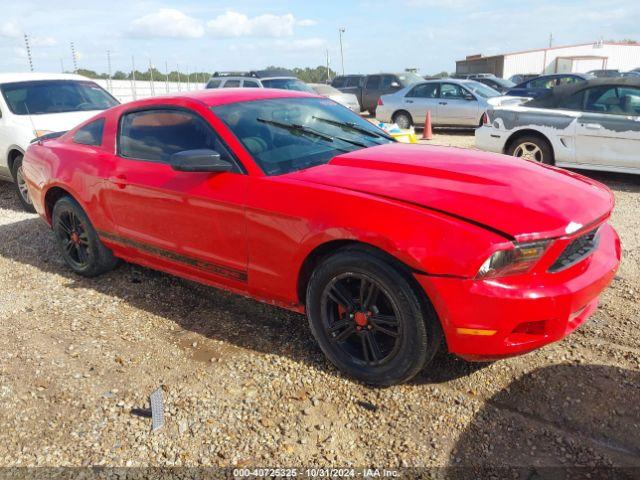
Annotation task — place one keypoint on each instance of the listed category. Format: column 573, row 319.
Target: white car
column 36, row 104
column 593, row 125
column 349, row 100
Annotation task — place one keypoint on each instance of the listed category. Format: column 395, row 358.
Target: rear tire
column 372, row 112
column 21, row 185
column 78, row 241
column 403, row 120
column 533, row 148
column 369, row 320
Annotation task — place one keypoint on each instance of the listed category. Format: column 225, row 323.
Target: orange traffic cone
column 427, row 134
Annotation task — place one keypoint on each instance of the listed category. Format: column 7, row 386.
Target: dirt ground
column 245, row 385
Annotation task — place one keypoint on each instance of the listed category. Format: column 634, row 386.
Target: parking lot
column 245, row 384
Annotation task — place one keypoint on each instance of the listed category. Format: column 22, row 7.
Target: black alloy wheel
column 370, row 318
column 361, row 318
column 78, row 241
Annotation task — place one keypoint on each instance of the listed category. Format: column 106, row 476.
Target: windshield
column 482, row 90
column 55, row 96
column 409, row 78
column 290, row 134
column 287, row 84
column 503, row 82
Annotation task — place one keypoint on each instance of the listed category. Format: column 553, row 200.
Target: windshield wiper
column 353, row 127
column 296, row 127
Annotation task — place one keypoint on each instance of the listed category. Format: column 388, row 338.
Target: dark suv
column 369, row 88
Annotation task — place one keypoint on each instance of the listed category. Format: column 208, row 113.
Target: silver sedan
column 349, row 100
column 452, row 103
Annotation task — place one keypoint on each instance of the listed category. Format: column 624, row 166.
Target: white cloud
column 10, row 29
column 234, row 24
column 167, row 22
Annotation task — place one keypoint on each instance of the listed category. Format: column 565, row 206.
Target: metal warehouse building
column 572, row 58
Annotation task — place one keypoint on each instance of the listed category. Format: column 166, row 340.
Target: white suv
column 36, row 104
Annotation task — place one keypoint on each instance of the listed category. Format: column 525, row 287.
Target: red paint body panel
column 439, row 211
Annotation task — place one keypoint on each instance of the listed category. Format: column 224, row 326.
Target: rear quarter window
column 90, row 134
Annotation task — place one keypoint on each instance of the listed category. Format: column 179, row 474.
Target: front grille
column 577, row 250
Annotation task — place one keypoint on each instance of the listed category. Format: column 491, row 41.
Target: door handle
column 119, row 180
column 408, row 101
column 593, row 126
column 442, row 103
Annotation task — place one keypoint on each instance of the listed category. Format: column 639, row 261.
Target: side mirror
column 199, row 161
column 468, row 97
column 395, row 85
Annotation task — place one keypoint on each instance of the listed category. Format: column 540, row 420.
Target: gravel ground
column 245, row 385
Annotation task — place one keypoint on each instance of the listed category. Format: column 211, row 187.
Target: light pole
column 341, row 30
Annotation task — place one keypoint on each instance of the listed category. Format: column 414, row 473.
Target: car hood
column 516, row 198
column 56, row 122
column 504, row 100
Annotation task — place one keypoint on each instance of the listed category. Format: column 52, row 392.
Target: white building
column 573, row 58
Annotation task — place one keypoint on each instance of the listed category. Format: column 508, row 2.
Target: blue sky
column 248, row 34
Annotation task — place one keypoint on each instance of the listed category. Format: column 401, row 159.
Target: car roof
column 557, row 94
column 35, row 76
column 224, row 96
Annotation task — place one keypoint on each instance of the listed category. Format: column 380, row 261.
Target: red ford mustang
column 294, row 200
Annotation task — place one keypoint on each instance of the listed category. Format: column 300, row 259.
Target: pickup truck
column 369, row 88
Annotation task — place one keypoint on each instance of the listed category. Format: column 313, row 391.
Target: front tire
column 369, row 320
column 78, row 241
column 21, row 185
column 532, row 148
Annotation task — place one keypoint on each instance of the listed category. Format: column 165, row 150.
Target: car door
column 191, row 221
column 371, row 92
column 422, row 98
column 389, row 84
column 608, row 129
column 5, row 142
column 457, row 106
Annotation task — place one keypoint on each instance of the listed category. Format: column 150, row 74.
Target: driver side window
column 155, row 135
column 451, row 91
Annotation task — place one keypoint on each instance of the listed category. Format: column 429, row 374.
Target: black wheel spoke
column 65, row 225
column 365, row 348
column 339, row 325
column 346, row 333
column 342, row 297
column 68, row 246
column 82, row 254
column 384, row 331
column 376, row 354
column 368, row 294
column 83, row 239
column 379, row 319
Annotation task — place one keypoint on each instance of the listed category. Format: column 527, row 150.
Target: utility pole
column 341, row 30
column 166, row 78
column 74, row 58
column 26, row 42
column 109, row 84
column 178, row 72
column 550, row 40
column 133, row 78
column 328, row 70
column 153, row 89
